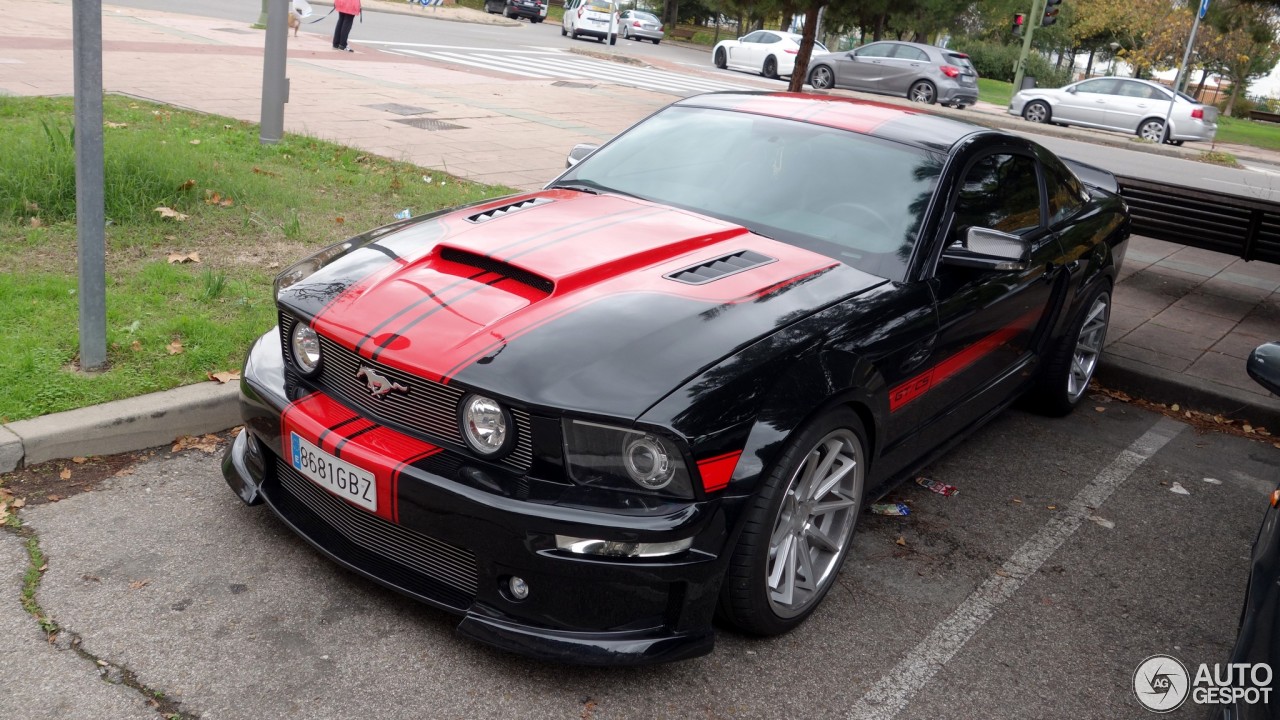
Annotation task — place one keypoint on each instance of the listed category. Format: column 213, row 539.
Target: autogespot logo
column 1161, row 683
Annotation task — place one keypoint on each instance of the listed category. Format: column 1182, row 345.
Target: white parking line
column 892, row 693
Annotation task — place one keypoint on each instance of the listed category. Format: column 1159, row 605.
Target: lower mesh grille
column 436, row 569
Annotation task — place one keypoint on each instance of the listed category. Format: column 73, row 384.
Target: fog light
column 612, row 548
column 518, row 587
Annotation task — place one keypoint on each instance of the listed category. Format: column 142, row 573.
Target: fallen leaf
column 226, row 127
column 225, row 376
column 43, row 567
column 901, row 541
column 65, row 475
column 1213, row 481
column 136, row 346
column 195, row 142
column 1002, row 572
column 174, row 348
column 1247, row 427
column 227, row 202
column 1102, row 521
column 187, row 185
column 136, row 585
column 19, row 503
column 1016, row 501
column 212, row 197
column 339, row 220
column 79, row 460
column 103, row 663
column 36, row 222
column 168, row 212
column 123, row 472
column 114, row 125
column 1178, row 489
column 273, row 266
column 208, row 443
column 1100, row 409
column 90, row 578
column 1050, row 507
column 1175, row 407
column 56, row 498
column 260, row 171
column 30, row 206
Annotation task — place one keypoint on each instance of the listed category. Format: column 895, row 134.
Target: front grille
column 429, row 409
column 305, row 505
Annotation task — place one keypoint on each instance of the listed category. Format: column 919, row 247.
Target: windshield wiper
column 580, row 187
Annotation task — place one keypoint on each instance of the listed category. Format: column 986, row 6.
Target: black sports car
column 589, row 419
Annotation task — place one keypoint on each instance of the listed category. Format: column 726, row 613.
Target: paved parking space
column 1005, row 600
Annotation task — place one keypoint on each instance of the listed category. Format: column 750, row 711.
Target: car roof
column 891, row 122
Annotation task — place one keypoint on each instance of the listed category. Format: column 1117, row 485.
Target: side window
column 754, row 37
column 999, row 192
column 770, row 38
column 1101, row 86
column 1066, row 194
column 906, row 52
column 876, row 50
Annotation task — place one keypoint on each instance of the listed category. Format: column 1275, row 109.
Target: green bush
column 1241, row 109
column 997, row 62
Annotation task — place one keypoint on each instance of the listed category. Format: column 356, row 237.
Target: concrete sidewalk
column 1184, row 319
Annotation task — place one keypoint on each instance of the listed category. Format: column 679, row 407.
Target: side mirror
column 988, row 249
column 1264, row 366
column 578, row 153
column 1071, row 90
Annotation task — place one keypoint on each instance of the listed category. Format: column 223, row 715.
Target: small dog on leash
column 295, row 20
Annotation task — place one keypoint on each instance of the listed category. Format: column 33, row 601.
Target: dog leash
column 312, row 22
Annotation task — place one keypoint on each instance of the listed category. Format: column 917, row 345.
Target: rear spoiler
column 1093, row 176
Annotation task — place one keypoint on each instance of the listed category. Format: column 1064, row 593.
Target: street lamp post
column 1114, row 47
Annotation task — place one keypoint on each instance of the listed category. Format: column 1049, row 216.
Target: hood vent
column 733, row 263
column 493, row 265
column 498, row 212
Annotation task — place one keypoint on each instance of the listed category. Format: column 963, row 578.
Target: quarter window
column 1066, row 195
column 1000, row 192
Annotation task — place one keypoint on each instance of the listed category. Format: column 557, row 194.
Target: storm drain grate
column 568, row 84
column 236, row 31
column 429, row 124
column 399, row 109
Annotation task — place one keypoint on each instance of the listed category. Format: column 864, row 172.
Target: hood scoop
column 493, row 265
column 711, row 270
column 498, row 212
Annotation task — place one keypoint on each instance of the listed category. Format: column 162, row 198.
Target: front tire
column 822, row 78
column 770, row 69
column 1037, row 112
column 923, row 92
column 563, row 32
column 798, row 528
column 721, row 60
column 1073, row 361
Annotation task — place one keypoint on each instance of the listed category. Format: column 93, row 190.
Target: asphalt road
column 1004, row 601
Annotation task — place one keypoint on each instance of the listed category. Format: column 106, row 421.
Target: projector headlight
column 625, row 459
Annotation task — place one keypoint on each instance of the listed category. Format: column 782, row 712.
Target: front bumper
column 459, row 532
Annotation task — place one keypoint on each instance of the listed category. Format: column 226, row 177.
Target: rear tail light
column 635, row 23
column 950, row 71
column 1198, row 113
column 1275, row 495
column 580, row 9
column 793, row 52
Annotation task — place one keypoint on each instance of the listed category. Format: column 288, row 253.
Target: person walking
column 347, row 11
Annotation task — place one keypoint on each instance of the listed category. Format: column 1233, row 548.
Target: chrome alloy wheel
column 815, row 523
column 1036, row 112
column 1152, row 131
column 1093, row 333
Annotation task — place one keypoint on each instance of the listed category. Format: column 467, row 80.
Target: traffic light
column 1050, row 12
column 1019, row 20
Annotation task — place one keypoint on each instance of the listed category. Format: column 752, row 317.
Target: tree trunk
column 670, row 13
column 800, row 74
column 1088, row 69
column 878, row 33
column 1204, row 75
column 1231, row 101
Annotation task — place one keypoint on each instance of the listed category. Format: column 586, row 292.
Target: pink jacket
column 349, row 7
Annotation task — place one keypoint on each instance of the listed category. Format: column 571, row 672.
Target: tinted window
column 645, row 17
column 1101, row 86
column 1129, row 88
column 797, row 183
column 874, row 51
column 906, row 52
column 754, row 37
column 1066, row 194
column 1000, row 192
column 769, row 39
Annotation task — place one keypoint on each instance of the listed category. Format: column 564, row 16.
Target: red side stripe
column 915, row 387
column 716, row 471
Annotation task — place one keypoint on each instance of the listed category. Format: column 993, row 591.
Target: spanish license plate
column 338, row 477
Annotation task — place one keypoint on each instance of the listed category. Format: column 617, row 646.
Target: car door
column 570, row 16
column 1088, row 104
column 740, row 54
column 907, row 64
column 1133, row 103
column 863, row 68
column 989, row 320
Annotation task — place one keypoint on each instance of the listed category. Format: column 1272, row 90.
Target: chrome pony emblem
column 378, row 385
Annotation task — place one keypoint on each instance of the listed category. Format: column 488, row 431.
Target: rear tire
column 656, row 41
column 770, row 69
column 721, row 61
column 1151, row 130
column 798, row 528
column 923, row 91
column 1072, row 362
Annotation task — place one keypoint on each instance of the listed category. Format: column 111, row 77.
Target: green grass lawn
column 1248, row 132
column 997, row 92
column 250, row 210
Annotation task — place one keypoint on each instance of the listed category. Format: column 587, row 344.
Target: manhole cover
column 566, row 83
column 237, row 31
column 429, row 124
column 399, row 109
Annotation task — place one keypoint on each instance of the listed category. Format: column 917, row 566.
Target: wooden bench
column 1264, row 116
column 682, row 33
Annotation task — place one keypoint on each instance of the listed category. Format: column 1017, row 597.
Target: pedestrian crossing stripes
column 558, row 65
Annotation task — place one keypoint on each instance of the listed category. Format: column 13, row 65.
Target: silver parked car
column 640, row 25
column 1122, row 104
column 923, row 73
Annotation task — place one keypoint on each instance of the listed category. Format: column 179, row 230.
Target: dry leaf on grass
column 339, row 220
column 79, row 460
column 187, row 185
column 168, row 212
column 179, row 258
column 225, row 376
column 136, row 346
column 65, row 475
column 260, row 171
column 114, row 125
column 36, row 222
column 18, row 504
column 195, row 142
column 174, row 348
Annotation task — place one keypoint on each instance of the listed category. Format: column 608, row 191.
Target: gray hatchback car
column 923, row 73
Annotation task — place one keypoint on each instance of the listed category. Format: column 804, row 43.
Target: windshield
column 853, row 197
column 644, row 16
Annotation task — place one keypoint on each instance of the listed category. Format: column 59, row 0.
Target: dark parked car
column 590, row 418
column 534, row 10
column 1259, row 638
column 922, row 73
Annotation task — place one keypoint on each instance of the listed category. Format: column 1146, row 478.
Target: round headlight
column 647, row 462
column 485, row 424
column 306, row 348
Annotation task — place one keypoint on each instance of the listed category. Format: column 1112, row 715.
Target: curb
column 121, row 425
column 1144, row 381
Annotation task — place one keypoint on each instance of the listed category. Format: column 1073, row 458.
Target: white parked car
column 768, row 52
column 590, row 18
column 1127, row 105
